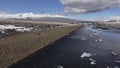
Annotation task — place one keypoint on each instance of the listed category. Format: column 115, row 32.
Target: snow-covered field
column 8, row 29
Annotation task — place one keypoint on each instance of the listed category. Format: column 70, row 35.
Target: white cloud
column 103, row 18
column 25, row 15
column 87, row 6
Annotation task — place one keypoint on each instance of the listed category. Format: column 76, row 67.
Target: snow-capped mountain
column 36, row 17
column 25, row 15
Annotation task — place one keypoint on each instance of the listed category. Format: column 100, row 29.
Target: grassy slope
column 16, row 47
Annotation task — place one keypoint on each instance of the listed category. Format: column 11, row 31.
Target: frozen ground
column 4, row 28
column 10, row 28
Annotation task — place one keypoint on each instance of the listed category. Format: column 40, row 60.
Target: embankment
column 19, row 46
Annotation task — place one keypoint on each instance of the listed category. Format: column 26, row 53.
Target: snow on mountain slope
column 26, row 15
column 37, row 17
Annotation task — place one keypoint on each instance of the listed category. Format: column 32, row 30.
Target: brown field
column 20, row 45
column 110, row 24
column 35, row 22
column 114, row 24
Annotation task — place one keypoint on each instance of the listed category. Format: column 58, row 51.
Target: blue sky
column 35, row 6
column 49, row 6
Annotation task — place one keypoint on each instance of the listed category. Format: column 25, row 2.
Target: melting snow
column 93, row 62
column 3, row 28
column 108, row 67
column 84, row 38
column 116, row 67
column 113, row 53
column 96, row 36
column 86, row 55
column 59, row 66
column 117, row 61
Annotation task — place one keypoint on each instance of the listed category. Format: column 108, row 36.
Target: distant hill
column 38, row 17
column 50, row 19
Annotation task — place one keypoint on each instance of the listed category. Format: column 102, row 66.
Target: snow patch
column 59, row 66
column 114, row 53
column 116, row 67
column 3, row 28
column 117, row 61
column 84, row 38
column 86, row 55
column 93, row 62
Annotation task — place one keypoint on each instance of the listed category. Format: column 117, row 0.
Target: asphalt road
column 102, row 43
